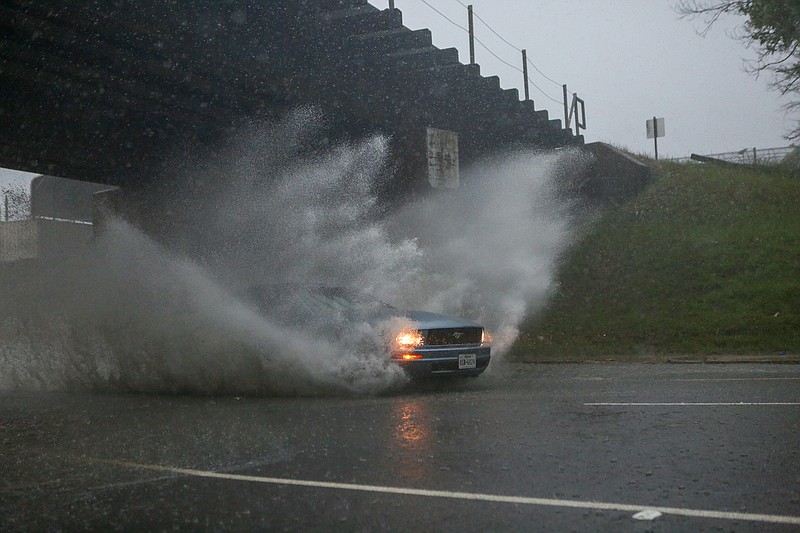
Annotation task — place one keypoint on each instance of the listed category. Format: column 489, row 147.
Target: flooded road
column 526, row 447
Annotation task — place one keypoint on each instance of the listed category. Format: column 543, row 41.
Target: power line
column 451, row 21
column 491, row 52
column 518, row 70
column 531, row 63
column 490, row 28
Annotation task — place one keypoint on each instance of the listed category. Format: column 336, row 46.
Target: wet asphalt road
column 720, row 439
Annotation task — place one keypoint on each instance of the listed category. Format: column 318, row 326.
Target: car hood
column 427, row 320
column 320, row 305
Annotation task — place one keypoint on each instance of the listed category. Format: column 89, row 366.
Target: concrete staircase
column 111, row 90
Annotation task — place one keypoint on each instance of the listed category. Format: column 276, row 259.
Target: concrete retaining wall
column 42, row 239
column 114, row 91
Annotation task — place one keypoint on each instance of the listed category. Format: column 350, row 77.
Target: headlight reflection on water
column 412, row 438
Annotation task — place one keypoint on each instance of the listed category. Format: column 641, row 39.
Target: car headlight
column 486, row 337
column 409, row 339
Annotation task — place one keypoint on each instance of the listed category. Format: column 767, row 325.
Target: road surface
column 525, row 448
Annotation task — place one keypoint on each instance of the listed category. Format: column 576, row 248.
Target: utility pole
column 566, row 108
column 525, row 73
column 471, row 36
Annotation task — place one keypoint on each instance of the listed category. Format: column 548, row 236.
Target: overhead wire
column 518, row 49
column 531, row 63
column 448, row 19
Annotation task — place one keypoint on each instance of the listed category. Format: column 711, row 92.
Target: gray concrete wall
column 19, row 239
column 42, row 239
column 612, row 176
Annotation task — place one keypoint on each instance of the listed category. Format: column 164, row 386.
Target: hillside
column 705, row 261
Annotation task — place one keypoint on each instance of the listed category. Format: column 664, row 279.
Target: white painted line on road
column 739, row 379
column 494, row 498
column 688, row 404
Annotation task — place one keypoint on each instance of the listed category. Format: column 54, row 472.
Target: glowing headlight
column 486, row 337
column 409, row 339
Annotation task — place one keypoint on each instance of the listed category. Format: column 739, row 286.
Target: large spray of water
column 131, row 314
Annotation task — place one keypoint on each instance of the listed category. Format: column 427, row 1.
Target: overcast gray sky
column 629, row 60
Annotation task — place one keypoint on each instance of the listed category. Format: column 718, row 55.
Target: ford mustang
column 425, row 344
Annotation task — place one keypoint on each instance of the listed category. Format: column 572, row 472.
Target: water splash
column 278, row 206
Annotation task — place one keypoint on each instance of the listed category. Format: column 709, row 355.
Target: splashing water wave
column 132, row 314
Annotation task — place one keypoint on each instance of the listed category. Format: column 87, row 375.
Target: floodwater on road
column 525, row 447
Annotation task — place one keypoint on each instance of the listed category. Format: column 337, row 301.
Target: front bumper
column 443, row 361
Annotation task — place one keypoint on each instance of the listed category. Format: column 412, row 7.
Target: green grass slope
column 705, row 261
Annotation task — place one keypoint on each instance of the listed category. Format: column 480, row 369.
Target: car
column 423, row 343
column 441, row 345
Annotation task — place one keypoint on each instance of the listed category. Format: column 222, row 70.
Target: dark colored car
column 425, row 344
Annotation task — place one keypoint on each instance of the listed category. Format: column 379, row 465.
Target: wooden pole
column 566, row 107
column 525, row 74
column 471, row 36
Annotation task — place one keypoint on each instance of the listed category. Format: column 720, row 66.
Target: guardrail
column 747, row 156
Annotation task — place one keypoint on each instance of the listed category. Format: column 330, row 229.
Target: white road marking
column 740, row 379
column 597, row 378
column 494, row 498
column 647, row 514
column 688, row 404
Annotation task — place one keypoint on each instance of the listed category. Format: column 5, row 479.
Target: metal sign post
column 573, row 109
column 580, row 121
column 655, row 129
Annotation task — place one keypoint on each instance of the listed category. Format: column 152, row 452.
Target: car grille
column 447, row 336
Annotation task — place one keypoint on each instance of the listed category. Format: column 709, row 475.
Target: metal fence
column 749, row 156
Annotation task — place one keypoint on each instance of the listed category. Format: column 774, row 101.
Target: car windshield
column 339, row 300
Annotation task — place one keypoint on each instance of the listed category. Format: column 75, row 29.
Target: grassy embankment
column 705, row 261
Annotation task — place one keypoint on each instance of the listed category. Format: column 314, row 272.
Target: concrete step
column 368, row 22
column 389, row 41
column 349, row 12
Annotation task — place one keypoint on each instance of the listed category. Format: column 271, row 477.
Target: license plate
column 466, row 360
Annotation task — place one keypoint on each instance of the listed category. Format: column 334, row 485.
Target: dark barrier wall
column 64, row 199
column 111, row 90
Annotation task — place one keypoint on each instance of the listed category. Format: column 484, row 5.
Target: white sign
column 658, row 130
column 442, row 159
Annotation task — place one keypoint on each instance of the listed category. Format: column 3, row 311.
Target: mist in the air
column 278, row 207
